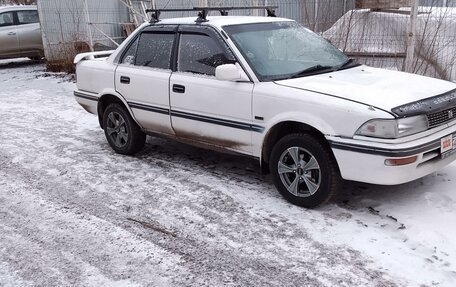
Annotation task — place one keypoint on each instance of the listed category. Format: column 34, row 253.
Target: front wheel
column 303, row 170
column 121, row 131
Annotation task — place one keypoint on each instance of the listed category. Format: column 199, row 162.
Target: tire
column 304, row 171
column 121, row 131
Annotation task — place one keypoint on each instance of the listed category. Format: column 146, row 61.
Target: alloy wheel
column 299, row 171
column 117, row 129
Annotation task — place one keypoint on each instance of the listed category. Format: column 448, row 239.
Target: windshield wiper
column 312, row 71
column 350, row 63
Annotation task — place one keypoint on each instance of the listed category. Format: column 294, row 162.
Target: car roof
column 220, row 21
column 17, row 7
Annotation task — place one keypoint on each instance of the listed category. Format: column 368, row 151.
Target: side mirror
column 231, row 72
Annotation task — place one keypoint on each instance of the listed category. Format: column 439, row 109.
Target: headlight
column 392, row 129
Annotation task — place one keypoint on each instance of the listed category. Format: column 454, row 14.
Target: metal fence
column 72, row 26
column 376, row 38
column 438, row 3
column 385, row 39
column 318, row 15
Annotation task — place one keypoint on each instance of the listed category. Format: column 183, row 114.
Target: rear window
column 130, row 55
column 6, row 19
column 154, row 50
column 28, row 17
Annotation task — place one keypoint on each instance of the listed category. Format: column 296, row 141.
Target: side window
column 6, row 19
column 154, row 50
column 200, row 54
column 130, row 54
column 28, row 17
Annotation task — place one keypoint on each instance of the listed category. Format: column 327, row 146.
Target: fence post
column 89, row 28
column 411, row 37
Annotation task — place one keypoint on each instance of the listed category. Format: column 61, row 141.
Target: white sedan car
column 269, row 88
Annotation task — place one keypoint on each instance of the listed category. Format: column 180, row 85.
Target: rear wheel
column 121, row 131
column 304, row 171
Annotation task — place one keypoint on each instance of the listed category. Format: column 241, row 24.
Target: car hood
column 383, row 89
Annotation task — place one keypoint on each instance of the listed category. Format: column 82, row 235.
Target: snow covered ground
column 72, row 212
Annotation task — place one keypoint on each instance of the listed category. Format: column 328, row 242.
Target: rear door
column 28, row 31
column 203, row 108
column 142, row 77
column 9, row 44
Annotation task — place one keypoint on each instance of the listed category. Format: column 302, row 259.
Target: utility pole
column 411, row 37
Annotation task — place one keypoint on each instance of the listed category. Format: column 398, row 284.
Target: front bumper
column 365, row 161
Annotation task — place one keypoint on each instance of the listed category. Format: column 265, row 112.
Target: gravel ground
column 72, row 212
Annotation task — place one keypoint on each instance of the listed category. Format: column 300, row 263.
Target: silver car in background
column 20, row 33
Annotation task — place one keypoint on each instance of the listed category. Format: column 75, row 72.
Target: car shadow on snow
column 357, row 195
column 232, row 166
column 18, row 63
column 241, row 169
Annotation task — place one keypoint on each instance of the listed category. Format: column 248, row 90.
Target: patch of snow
column 72, row 212
column 9, row 278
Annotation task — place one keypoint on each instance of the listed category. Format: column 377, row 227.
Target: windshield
column 282, row 50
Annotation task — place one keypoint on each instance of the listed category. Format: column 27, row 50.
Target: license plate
column 448, row 146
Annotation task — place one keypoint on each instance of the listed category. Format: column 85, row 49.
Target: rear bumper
column 365, row 161
column 89, row 101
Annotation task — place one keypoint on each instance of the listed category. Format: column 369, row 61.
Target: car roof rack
column 203, row 11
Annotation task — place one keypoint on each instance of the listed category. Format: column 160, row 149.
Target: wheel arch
column 108, row 98
column 284, row 128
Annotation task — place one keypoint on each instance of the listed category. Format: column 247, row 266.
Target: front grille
column 442, row 117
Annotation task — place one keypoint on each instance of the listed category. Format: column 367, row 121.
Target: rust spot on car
column 155, row 128
column 196, row 140
column 222, row 143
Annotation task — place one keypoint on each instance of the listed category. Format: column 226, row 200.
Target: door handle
column 124, row 80
column 11, row 34
column 179, row 89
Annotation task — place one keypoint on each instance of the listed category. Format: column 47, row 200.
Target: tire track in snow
column 231, row 228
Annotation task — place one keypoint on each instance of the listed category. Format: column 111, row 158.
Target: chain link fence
column 70, row 27
column 381, row 39
column 376, row 38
